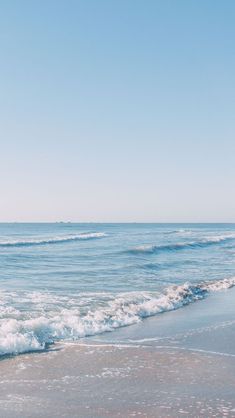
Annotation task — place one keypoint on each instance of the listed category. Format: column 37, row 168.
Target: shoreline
column 174, row 364
column 117, row 381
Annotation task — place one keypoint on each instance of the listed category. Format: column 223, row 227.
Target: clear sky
column 117, row 110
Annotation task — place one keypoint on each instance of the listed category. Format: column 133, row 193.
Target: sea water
column 65, row 281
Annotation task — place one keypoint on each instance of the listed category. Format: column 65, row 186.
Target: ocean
column 63, row 282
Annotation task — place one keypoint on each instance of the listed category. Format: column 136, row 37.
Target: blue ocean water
column 65, row 281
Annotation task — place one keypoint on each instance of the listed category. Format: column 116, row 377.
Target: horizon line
column 120, row 222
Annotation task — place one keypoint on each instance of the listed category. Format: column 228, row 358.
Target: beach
column 176, row 366
column 117, row 320
column 117, row 214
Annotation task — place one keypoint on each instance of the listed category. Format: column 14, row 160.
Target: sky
column 117, row 110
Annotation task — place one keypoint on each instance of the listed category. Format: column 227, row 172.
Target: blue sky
column 117, row 110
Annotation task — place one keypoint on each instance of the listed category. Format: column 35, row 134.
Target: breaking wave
column 54, row 319
column 53, row 240
column 151, row 249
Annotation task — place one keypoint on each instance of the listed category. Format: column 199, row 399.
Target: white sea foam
column 53, row 319
column 148, row 248
column 52, row 240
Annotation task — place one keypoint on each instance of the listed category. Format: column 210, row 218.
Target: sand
column 117, row 381
column 178, row 364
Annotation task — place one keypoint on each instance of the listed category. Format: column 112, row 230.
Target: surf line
column 196, row 350
column 157, row 347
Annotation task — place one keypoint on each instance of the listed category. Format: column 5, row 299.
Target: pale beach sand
column 108, row 381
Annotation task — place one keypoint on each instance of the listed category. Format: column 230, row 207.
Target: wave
column 53, row 240
column 20, row 334
column 151, row 249
column 179, row 231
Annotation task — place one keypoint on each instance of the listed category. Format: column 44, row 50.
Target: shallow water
column 65, row 281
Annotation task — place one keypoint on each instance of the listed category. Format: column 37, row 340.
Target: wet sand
column 185, row 368
column 111, row 381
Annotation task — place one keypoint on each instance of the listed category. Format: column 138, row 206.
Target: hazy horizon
column 117, row 222
column 117, row 111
